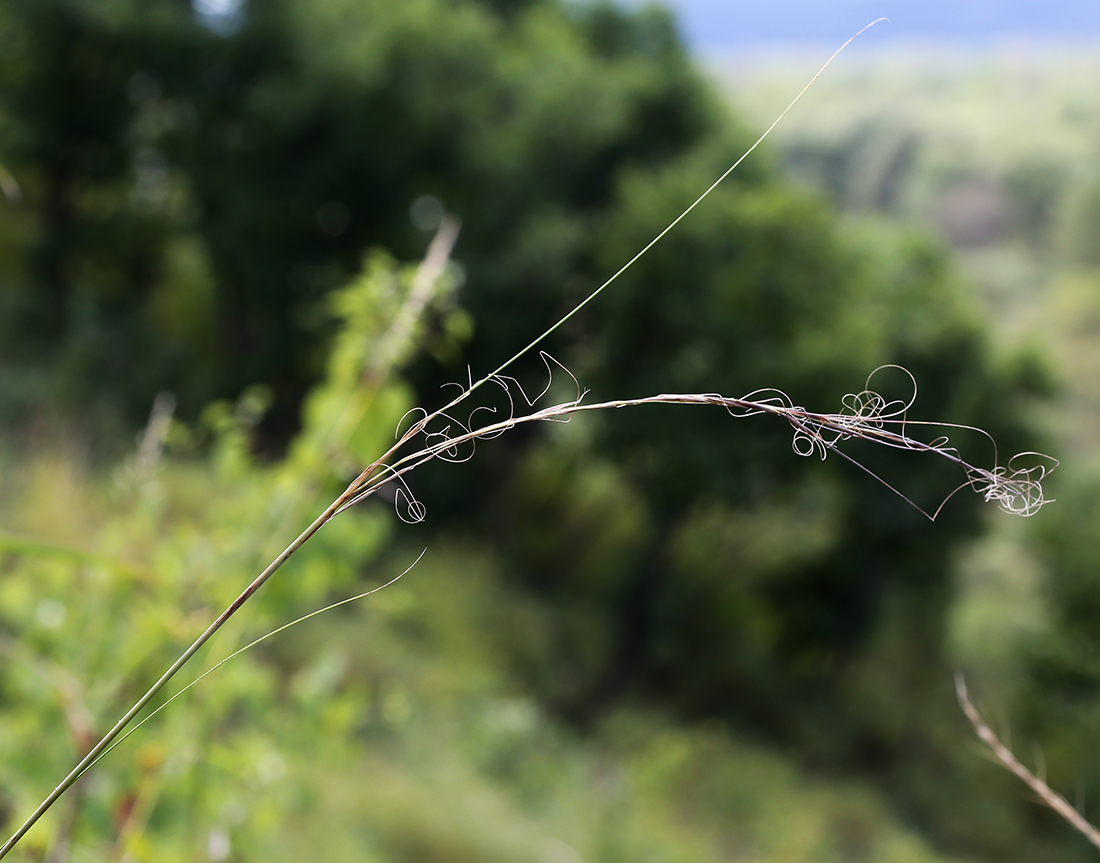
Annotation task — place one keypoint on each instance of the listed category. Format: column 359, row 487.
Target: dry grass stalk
column 1047, row 795
column 1016, row 487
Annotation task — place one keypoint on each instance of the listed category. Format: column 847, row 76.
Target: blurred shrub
column 1081, row 224
column 167, row 544
column 391, row 730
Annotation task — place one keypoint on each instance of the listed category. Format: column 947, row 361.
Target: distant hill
column 711, row 25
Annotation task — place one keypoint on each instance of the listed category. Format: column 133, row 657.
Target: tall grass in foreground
column 448, row 435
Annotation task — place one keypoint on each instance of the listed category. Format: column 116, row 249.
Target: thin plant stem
column 139, row 705
column 566, row 317
column 252, row 644
column 1017, row 488
column 1047, row 795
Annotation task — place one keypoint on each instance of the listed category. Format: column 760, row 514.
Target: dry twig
column 1004, row 755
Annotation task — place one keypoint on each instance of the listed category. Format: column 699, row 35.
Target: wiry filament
column 867, row 415
column 1017, row 490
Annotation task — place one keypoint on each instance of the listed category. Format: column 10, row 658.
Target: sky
column 717, row 26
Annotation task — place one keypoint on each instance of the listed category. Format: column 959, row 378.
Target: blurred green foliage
column 392, row 729
column 611, row 606
column 192, row 196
